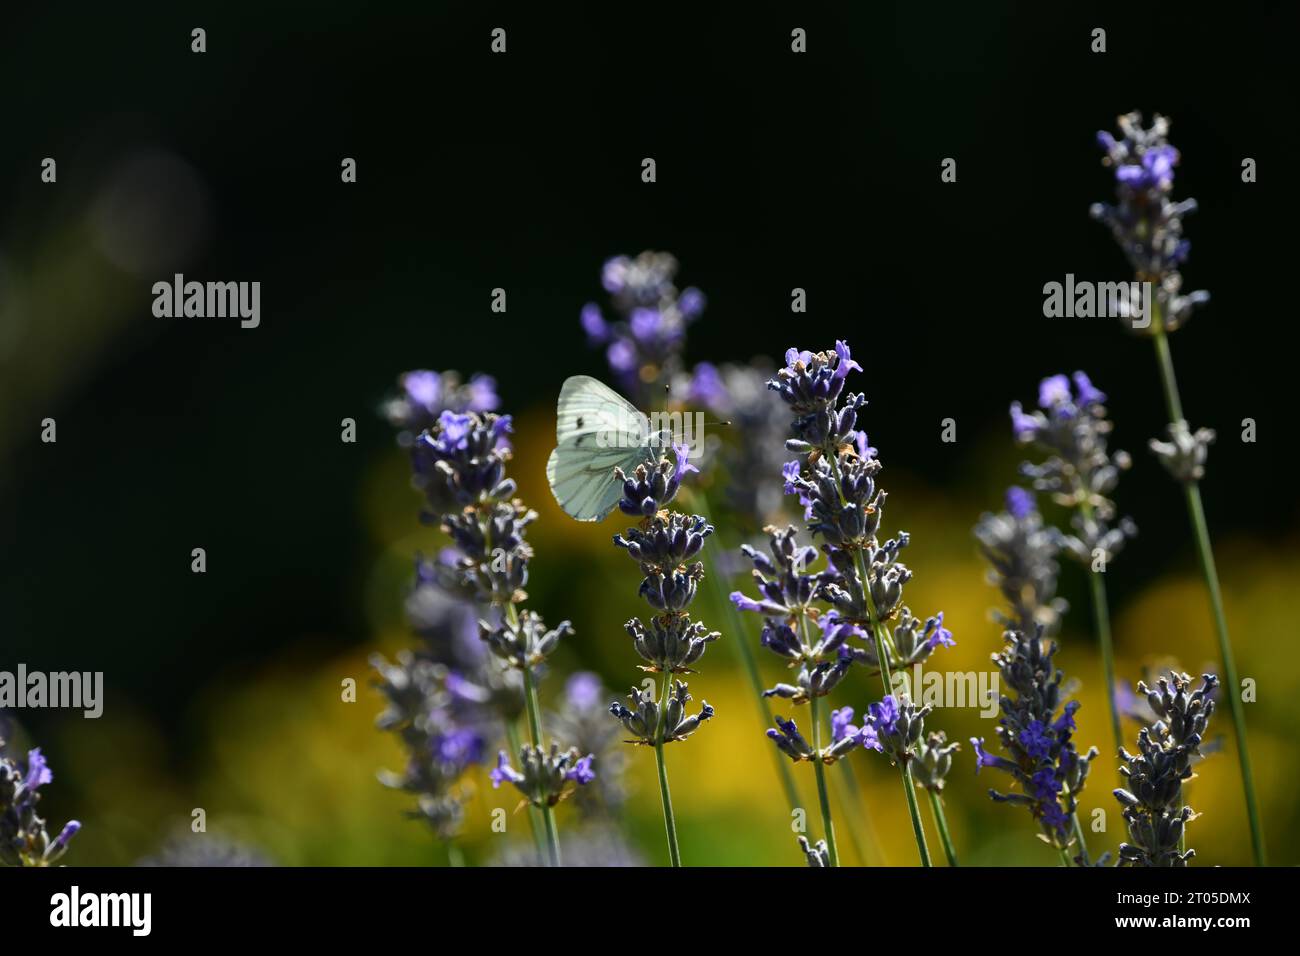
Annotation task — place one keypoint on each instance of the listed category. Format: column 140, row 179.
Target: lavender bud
column 817, row 856
column 544, row 773
column 1185, row 453
column 643, row 721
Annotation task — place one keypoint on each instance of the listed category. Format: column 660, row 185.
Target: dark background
column 523, row 171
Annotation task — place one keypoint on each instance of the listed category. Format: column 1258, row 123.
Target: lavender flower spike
column 643, row 343
column 1152, row 801
column 1080, row 473
column 23, row 838
column 664, row 545
column 867, row 623
column 581, row 719
column 448, row 699
column 1148, row 225
column 1036, row 733
column 1021, row 552
column 545, row 773
column 1145, row 221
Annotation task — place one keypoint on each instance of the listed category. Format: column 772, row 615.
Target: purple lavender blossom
column 664, row 546
column 1021, row 552
column 1079, row 470
column 1152, row 799
column 842, row 724
column 834, row 478
column 1035, row 741
column 707, row 387
column 459, row 747
column 1145, row 221
column 788, row 739
column 1044, row 763
column 424, row 395
column 1086, row 393
column 448, row 700
column 643, row 343
column 941, row 637
column 982, row 757
column 70, row 829
column 582, row 719
column 582, row 771
column 23, row 837
column 883, row 716
column 503, row 772
column 583, row 689
column 38, row 772
column 1020, row 503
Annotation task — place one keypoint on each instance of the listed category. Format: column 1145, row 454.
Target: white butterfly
column 596, row 430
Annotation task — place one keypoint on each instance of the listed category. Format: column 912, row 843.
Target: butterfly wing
column 589, row 407
column 582, row 478
column 597, row 430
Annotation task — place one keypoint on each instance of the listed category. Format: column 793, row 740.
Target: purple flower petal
column 1020, row 503
column 38, row 772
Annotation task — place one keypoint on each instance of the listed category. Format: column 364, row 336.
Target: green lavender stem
column 882, row 652
column 535, row 731
column 1078, row 835
column 914, row 809
column 670, row 822
column 940, row 818
column 1101, row 621
column 819, row 769
column 941, row 824
column 512, row 736
column 1205, row 555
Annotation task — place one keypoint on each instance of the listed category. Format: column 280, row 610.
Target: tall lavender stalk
column 1041, row 757
column 738, row 395
column 1153, row 799
column 459, row 449
column 1079, row 472
column 643, row 344
column 1148, row 226
column 23, row 840
column 664, row 544
column 834, row 477
column 442, row 698
column 752, row 449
